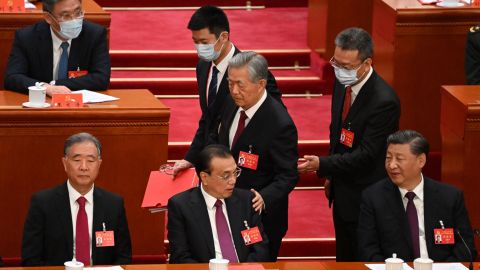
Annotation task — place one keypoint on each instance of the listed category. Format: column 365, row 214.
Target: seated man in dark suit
column 403, row 214
column 67, row 217
column 209, row 221
column 64, row 52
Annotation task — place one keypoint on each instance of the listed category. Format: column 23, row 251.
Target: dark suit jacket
column 373, row 116
column 273, row 137
column 48, row 231
column 31, row 58
column 383, row 227
column 190, row 233
column 472, row 56
column 210, row 115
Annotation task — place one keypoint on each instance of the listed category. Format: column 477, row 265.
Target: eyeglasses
column 77, row 14
column 228, row 176
column 334, row 64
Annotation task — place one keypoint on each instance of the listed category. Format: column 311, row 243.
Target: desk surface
column 288, row 265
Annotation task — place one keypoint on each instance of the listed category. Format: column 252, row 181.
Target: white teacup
column 423, row 264
column 36, row 95
column 217, row 264
column 450, row 2
column 394, row 263
column 73, row 265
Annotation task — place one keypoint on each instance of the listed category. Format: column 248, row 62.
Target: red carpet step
column 184, row 82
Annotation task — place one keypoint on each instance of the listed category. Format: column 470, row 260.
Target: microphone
column 470, row 267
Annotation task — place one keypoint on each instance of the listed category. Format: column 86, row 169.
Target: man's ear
column 203, row 178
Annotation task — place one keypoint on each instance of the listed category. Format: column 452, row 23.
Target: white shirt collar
column 252, row 110
column 56, row 41
column 357, row 87
column 73, row 194
column 418, row 190
column 209, row 199
column 223, row 65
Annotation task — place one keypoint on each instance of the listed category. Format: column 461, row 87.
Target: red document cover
column 250, row 266
column 161, row 187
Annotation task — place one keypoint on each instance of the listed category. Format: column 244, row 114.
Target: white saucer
column 30, row 105
column 443, row 4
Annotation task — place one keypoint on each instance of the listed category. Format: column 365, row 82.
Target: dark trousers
column 346, row 239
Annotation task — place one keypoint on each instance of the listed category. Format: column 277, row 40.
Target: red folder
column 162, row 187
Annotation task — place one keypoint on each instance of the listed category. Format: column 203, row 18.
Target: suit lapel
column 98, row 217
column 199, row 208
column 337, row 106
column 45, row 49
column 75, row 53
column 65, row 217
column 363, row 96
column 234, row 218
column 203, row 69
column 429, row 213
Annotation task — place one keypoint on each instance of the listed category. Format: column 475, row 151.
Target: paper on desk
column 449, row 266
column 94, row 97
column 381, row 266
column 117, row 267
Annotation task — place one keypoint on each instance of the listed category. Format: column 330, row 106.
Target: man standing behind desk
column 206, row 222
column 74, row 214
column 64, row 52
column 410, row 214
column 263, row 138
column 365, row 110
column 211, row 35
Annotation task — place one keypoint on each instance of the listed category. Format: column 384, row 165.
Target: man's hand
column 180, row 166
column 257, row 201
column 327, row 188
column 56, row 89
column 311, row 164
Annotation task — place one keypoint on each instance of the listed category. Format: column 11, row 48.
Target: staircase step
column 189, row 58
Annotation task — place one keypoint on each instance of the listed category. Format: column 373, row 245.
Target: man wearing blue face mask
column 64, row 52
column 365, row 110
column 211, row 36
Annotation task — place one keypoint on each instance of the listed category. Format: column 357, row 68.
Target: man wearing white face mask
column 64, row 52
column 365, row 110
column 211, row 36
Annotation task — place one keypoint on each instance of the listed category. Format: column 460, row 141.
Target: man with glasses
column 364, row 111
column 63, row 53
column 215, row 220
column 64, row 222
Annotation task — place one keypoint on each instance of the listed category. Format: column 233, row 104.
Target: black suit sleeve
column 369, row 246
column 197, row 142
column 177, row 235
column 472, row 58
column 462, row 224
column 16, row 74
column 284, row 155
column 272, row 88
column 123, row 245
column 98, row 77
column 34, row 235
column 372, row 144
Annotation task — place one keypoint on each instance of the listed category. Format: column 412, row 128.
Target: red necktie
column 413, row 223
column 223, row 233
column 82, row 239
column 240, row 127
column 347, row 102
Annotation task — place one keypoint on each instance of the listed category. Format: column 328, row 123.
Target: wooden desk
column 460, row 126
column 289, row 265
column 133, row 131
column 418, row 48
column 10, row 22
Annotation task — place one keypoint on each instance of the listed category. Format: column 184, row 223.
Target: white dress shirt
column 357, row 87
column 211, row 209
column 57, row 52
column 74, row 195
column 419, row 203
column 222, row 69
column 250, row 113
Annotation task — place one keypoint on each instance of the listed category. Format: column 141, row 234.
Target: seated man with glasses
column 63, row 53
column 215, row 220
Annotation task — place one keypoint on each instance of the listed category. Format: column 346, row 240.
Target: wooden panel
column 421, row 47
column 460, row 126
column 10, row 22
column 133, row 131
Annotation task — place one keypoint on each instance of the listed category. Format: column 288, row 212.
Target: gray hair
column 418, row 144
column 79, row 138
column 356, row 39
column 49, row 4
column 256, row 64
